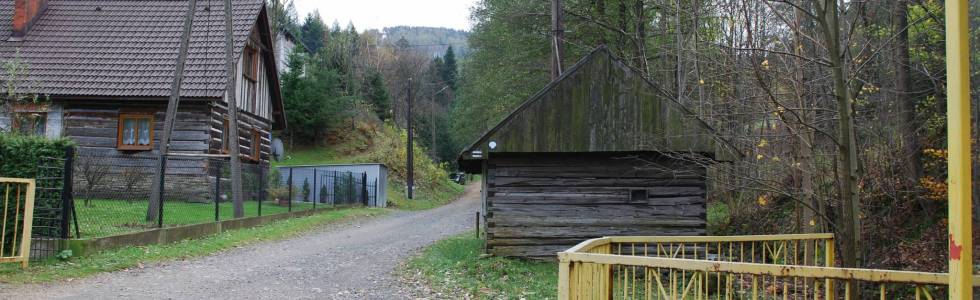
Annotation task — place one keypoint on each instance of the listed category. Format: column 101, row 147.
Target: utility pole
column 432, row 120
column 235, row 159
column 411, row 146
column 156, row 197
column 557, row 38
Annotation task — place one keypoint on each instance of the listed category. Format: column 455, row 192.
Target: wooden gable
column 599, row 105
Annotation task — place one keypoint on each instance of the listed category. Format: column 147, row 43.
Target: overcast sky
column 377, row 14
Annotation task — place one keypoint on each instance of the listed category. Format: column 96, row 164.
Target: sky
column 377, row 14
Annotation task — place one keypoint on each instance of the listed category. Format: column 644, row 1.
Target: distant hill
column 432, row 40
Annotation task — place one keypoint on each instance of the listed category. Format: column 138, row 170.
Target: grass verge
column 425, row 198
column 454, row 266
column 102, row 217
column 129, row 257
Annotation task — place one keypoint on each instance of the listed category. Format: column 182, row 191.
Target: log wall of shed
column 538, row 204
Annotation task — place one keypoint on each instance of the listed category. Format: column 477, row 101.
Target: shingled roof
column 125, row 48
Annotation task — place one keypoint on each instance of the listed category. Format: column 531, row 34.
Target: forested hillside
column 432, row 40
column 345, row 94
column 838, row 106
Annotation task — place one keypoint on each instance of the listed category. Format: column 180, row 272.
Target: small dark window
column 225, row 136
column 30, row 123
column 639, row 196
column 256, row 144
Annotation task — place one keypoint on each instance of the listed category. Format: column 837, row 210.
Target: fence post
column 350, row 188
column 66, row 193
column 289, row 186
column 829, row 260
column 313, row 190
column 364, row 191
column 217, row 192
column 261, row 195
column 162, row 188
column 376, row 191
column 478, row 225
column 564, row 272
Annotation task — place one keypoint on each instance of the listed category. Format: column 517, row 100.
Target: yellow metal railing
column 798, row 266
column 16, row 219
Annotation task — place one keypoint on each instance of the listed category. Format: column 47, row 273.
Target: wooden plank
column 597, row 171
column 559, row 199
column 91, row 131
column 582, row 199
column 576, row 211
column 532, row 241
column 589, row 159
column 183, row 135
column 528, row 251
column 675, row 191
column 597, row 182
column 664, row 221
column 588, row 232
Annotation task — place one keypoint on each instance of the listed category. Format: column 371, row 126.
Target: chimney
column 25, row 13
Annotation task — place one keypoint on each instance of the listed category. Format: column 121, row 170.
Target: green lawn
column 454, row 266
column 129, row 257
column 109, row 217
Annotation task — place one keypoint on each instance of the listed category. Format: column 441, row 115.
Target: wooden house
column 600, row 151
column 104, row 69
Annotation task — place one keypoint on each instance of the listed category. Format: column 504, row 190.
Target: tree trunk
column 640, row 61
column 679, row 37
column 850, row 231
column 558, row 38
column 804, row 142
column 908, row 126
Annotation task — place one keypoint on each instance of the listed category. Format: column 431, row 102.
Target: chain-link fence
column 51, row 218
column 110, row 193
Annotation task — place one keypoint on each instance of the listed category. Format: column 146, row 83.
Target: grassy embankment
column 130, row 257
column 385, row 144
column 455, row 266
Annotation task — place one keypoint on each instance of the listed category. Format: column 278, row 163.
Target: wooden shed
column 600, row 151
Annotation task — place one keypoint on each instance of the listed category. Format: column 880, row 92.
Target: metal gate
column 16, row 219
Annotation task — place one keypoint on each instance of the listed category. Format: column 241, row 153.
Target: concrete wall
column 374, row 172
column 82, row 247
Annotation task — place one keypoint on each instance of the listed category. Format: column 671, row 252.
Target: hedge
column 21, row 154
column 19, row 157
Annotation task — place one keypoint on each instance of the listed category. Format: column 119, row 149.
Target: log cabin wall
column 94, row 125
column 247, row 124
column 538, row 204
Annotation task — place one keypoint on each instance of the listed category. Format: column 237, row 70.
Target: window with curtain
column 135, row 132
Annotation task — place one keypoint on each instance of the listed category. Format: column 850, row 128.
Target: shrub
column 392, row 151
column 19, row 157
column 21, row 154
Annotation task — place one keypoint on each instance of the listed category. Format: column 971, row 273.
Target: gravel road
column 351, row 260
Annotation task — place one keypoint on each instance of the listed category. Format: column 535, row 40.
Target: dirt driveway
column 345, row 261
